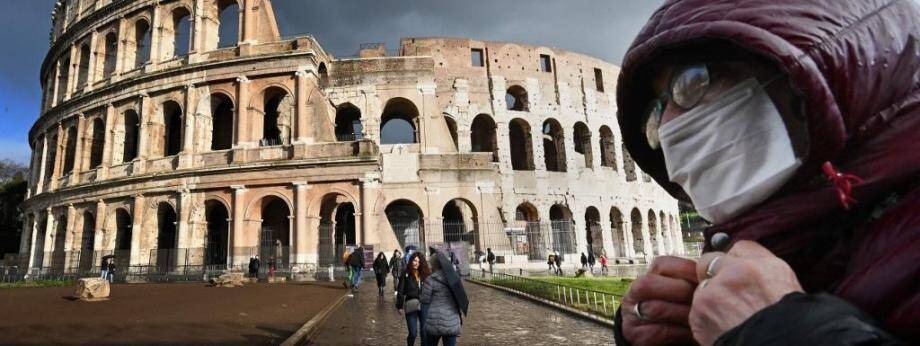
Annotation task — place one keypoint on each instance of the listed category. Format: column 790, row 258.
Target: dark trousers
column 416, row 323
column 449, row 340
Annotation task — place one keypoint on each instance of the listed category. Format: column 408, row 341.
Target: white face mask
column 731, row 153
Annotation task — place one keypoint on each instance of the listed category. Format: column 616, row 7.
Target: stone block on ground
column 92, row 289
column 231, row 279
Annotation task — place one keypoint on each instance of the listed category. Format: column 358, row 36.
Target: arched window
column 482, row 136
column 348, row 123
column 608, row 150
column 98, row 142
column 399, row 122
column 563, row 229
column 172, row 125
column 516, row 99
column 583, row 145
column 276, row 123
column 111, row 52
column 459, row 220
column 131, row 129
column 521, row 147
column 83, row 71
column 629, row 166
column 221, row 122
column 70, row 148
column 50, row 157
column 616, row 228
column 635, row 218
column 181, row 31
column 228, row 23
column 406, row 221
column 553, row 146
column 141, row 42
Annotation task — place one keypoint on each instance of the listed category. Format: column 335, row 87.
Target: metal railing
column 601, row 304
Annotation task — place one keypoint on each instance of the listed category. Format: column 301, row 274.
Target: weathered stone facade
column 273, row 146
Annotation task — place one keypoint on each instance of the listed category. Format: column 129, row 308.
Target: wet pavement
column 495, row 318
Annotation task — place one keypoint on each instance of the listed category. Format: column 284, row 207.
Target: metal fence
column 597, row 303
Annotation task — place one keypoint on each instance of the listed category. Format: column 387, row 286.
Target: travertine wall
column 286, row 168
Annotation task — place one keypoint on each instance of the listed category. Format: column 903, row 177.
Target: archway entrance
column 527, row 217
column 638, row 241
column 405, row 220
column 274, row 235
column 165, row 255
column 593, row 233
column 563, row 229
column 337, row 229
column 216, row 244
column 616, row 227
column 87, row 246
column 123, row 235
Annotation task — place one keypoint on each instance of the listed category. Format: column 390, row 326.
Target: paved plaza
column 495, row 318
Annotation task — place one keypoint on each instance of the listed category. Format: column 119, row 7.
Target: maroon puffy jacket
column 856, row 66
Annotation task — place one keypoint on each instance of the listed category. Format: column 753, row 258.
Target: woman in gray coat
column 442, row 320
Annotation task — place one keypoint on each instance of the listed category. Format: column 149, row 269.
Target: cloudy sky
column 602, row 28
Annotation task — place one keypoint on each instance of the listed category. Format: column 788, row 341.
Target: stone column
column 303, row 133
column 137, row 229
column 32, row 237
column 155, row 28
column 238, row 236
column 48, row 236
column 25, row 239
column 143, row 132
column 103, row 170
column 183, row 231
column 58, row 154
column 70, row 234
column 301, row 252
column 43, row 165
column 369, row 190
column 98, row 231
column 120, row 51
column 198, row 32
column 186, row 157
column 91, row 75
column 427, row 112
column 249, row 23
column 78, row 152
column 242, row 113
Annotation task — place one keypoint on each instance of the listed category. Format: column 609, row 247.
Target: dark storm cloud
column 601, row 28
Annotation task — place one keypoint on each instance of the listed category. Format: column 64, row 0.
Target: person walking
column 356, row 262
column 381, row 269
column 551, row 262
column 104, row 267
column 490, row 257
column 408, row 291
column 558, row 258
column 255, row 269
column 604, row 269
column 346, row 258
column 252, row 264
column 584, row 260
column 396, row 266
column 591, row 261
column 441, row 303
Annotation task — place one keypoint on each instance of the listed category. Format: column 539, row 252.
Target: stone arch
column 229, row 17
column 653, row 232
column 665, row 232
column 58, row 250
column 83, row 66
column 97, row 143
column 521, row 145
column 348, row 126
column 222, row 117
column 516, row 99
column 629, row 166
column 563, row 228
column 582, row 142
column 483, row 137
column 277, row 118
column 617, row 226
column 635, row 218
column 532, row 242
column 70, row 149
column 164, row 255
column 338, row 226
column 274, row 214
column 109, row 54
column 130, row 133
column 554, row 146
column 168, row 129
column 608, row 148
column 593, row 233
column 87, row 244
column 141, row 41
column 217, row 234
column 407, row 220
column 459, row 220
column 50, row 157
column 399, row 122
column 176, row 32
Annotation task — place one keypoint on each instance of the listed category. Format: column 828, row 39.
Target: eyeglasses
column 686, row 90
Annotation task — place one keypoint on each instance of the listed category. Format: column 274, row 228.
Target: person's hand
column 663, row 294
column 736, row 285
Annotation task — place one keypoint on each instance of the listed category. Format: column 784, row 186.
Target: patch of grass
column 611, row 285
column 37, row 283
column 584, row 298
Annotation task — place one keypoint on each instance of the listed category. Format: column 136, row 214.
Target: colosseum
column 190, row 136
